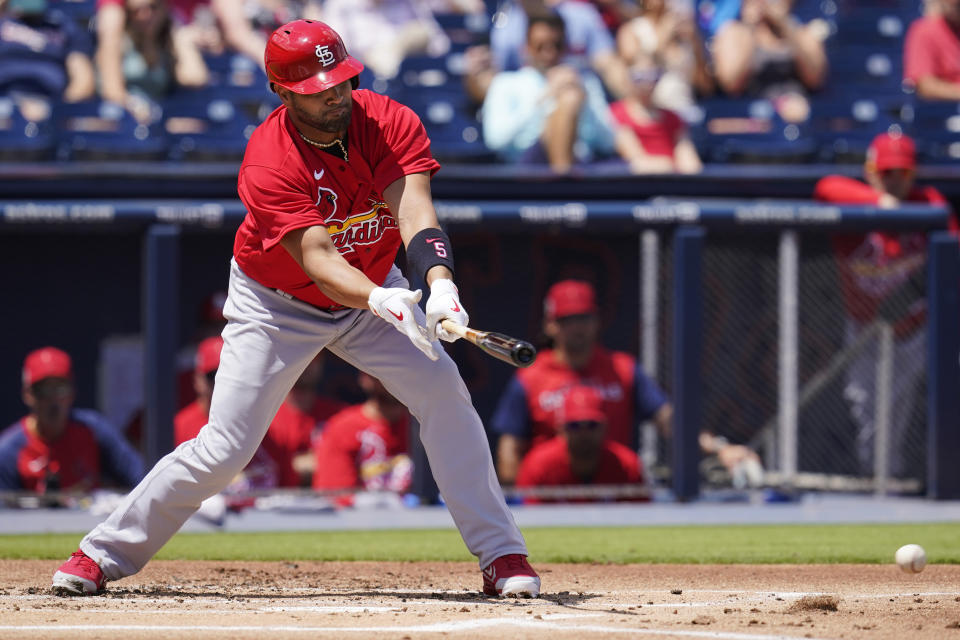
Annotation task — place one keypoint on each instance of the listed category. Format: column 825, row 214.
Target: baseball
column 911, row 558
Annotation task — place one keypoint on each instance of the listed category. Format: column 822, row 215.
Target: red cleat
column 78, row 576
column 511, row 575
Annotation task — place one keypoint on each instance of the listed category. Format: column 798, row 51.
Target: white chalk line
column 439, row 627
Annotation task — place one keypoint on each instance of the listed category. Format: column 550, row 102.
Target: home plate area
column 179, row 599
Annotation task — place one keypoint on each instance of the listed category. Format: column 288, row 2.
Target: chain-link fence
column 859, row 365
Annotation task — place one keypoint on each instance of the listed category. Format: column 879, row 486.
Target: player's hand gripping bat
column 519, row 353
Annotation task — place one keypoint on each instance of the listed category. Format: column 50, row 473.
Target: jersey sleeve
column 11, row 441
column 512, row 415
column 405, row 148
column 277, row 203
column 918, row 52
column 119, row 461
column 842, row 189
column 650, row 397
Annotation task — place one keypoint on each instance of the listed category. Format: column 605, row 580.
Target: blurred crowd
column 656, row 86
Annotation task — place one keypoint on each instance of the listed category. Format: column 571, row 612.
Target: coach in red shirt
column 931, row 53
column 881, row 276
column 581, row 454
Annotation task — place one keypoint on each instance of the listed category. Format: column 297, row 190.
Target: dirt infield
column 425, row 600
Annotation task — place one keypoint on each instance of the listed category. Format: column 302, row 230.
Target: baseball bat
column 519, row 353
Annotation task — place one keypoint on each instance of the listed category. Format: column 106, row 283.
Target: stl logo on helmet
column 324, row 55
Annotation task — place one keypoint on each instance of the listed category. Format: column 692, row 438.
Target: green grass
column 802, row 544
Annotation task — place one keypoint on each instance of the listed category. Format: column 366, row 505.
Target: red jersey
column 272, row 464
column 287, row 184
column 931, row 48
column 89, row 453
column 357, row 451
column 545, row 382
column 875, row 264
column 548, row 465
column 657, row 137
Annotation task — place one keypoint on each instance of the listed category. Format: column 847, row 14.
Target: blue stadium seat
column 936, row 129
column 79, row 10
column 22, row 140
column 455, row 135
column 204, row 126
column 95, row 130
column 237, row 77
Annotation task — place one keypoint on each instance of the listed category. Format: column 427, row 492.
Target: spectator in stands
column 365, row 446
column 382, row 33
column 663, row 37
column 931, row 53
column 768, row 53
column 56, row 447
column 527, row 412
column 616, row 13
column 580, row 453
column 547, row 112
column 650, row 139
column 588, row 45
column 145, row 47
column 43, row 55
column 881, row 275
column 272, row 464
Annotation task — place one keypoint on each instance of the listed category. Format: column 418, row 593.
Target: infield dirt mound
column 174, row 599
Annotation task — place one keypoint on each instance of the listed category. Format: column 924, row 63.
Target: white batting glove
column 444, row 304
column 395, row 305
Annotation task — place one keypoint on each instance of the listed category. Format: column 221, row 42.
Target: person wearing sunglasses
column 57, row 447
column 580, row 453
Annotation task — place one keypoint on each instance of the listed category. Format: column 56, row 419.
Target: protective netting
column 861, row 357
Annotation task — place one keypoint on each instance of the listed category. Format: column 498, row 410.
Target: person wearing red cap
column 931, row 53
column 580, row 454
column 56, row 447
column 334, row 181
column 880, row 274
column 527, row 413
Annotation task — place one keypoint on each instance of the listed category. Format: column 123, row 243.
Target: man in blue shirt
column 547, row 112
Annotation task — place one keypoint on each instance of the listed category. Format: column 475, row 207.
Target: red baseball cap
column 48, row 362
column 570, row 298
column 208, row 355
column 892, row 151
column 582, row 403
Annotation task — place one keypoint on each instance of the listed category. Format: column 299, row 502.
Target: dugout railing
column 684, row 246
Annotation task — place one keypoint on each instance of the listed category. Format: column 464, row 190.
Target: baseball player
column 333, row 181
column 365, row 445
column 581, row 453
column 57, row 447
column 879, row 273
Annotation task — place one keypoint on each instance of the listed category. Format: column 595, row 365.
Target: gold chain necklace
column 327, row 145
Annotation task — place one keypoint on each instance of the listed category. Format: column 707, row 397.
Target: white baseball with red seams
column 911, row 558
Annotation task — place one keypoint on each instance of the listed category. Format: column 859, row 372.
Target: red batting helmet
column 307, row 56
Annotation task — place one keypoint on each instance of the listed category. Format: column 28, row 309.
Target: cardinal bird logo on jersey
column 326, row 203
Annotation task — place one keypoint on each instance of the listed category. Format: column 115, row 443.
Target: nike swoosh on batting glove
column 395, row 305
column 444, row 304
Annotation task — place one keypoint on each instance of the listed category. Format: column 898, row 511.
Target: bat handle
column 454, row 328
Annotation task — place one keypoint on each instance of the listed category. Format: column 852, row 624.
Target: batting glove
column 396, row 305
column 444, row 304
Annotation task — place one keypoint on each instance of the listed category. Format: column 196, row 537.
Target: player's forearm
column 339, row 280
column 336, row 278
